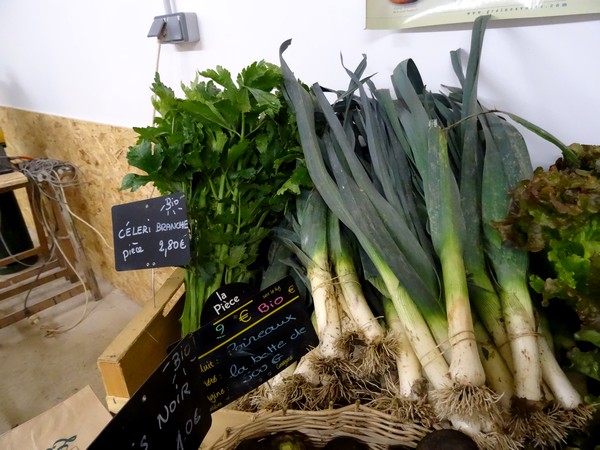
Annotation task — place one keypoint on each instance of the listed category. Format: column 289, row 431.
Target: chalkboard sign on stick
column 169, row 411
column 223, row 300
column 253, row 342
column 151, row 233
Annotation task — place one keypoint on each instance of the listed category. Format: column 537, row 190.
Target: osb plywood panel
column 99, row 152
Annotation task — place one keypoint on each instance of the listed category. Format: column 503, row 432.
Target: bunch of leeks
column 418, row 181
column 352, row 350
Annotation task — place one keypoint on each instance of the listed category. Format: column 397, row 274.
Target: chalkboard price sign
column 151, row 233
column 169, row 411
column 252, row 342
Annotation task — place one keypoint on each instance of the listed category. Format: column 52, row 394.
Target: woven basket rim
column 377, row 428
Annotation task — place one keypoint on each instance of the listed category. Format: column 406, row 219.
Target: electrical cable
column 57, row 175
column 156, row 68
column 56, row 245
column 51, row 171
column 167, row 5
column 61, row 329
column 40, row 216
column 37, row 277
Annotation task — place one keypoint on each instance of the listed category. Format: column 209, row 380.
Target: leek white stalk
column 416, row 329
column 529, row 420
column 575, row 413
column 562, row 389
column 348, row 281
column 469, row 396
column 487, row 304
column 482, row 293
column 522, row 331
column 356, row 304
column 314, row 255
column 353, row 302
column 405, row 387
column 498, row 374
column 510, row 270
column 326, row 309
column 320, row 278
column 408, row 365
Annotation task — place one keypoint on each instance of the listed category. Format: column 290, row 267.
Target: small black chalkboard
column 169, row 411
column 224, row 300
column 252, row 342
column 151, row 233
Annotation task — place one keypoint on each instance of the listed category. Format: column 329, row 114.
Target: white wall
column 91, row 60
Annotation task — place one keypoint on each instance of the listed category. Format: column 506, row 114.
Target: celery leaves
column 232, row 148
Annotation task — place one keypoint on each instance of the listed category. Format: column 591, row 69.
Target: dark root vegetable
column 446, row 440
column 345, row 443
column 293, row 440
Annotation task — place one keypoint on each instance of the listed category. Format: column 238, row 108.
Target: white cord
column 50, row 172
column 156, row 67
column 60, row 329
column 49, row 331
column 44, row 169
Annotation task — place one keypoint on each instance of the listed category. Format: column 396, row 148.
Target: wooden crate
column 138, row 350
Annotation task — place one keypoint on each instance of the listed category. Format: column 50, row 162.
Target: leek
column 409, row 369
column 447, row 232
column 325, row 373
column 482, row 292
column 353, row 300
column 364, row 211
column 510, row 270
column 428, row 149
column 314, row 243
column 356, row 211
column 419, row 182
column 409, row 389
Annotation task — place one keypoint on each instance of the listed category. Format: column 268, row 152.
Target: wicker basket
column 379, row 430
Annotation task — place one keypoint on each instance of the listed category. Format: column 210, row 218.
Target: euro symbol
column 244, row 317
column 291, row 289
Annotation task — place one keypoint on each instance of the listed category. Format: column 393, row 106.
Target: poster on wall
column 399, row 14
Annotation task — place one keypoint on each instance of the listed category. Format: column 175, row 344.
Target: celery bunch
column 232, row 148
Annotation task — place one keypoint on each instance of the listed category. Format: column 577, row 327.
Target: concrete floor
column 38, row 371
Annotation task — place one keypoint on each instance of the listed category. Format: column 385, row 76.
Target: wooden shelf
column 66, row 258
column 12, row 180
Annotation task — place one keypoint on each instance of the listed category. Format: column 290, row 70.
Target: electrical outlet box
column 175, row 28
